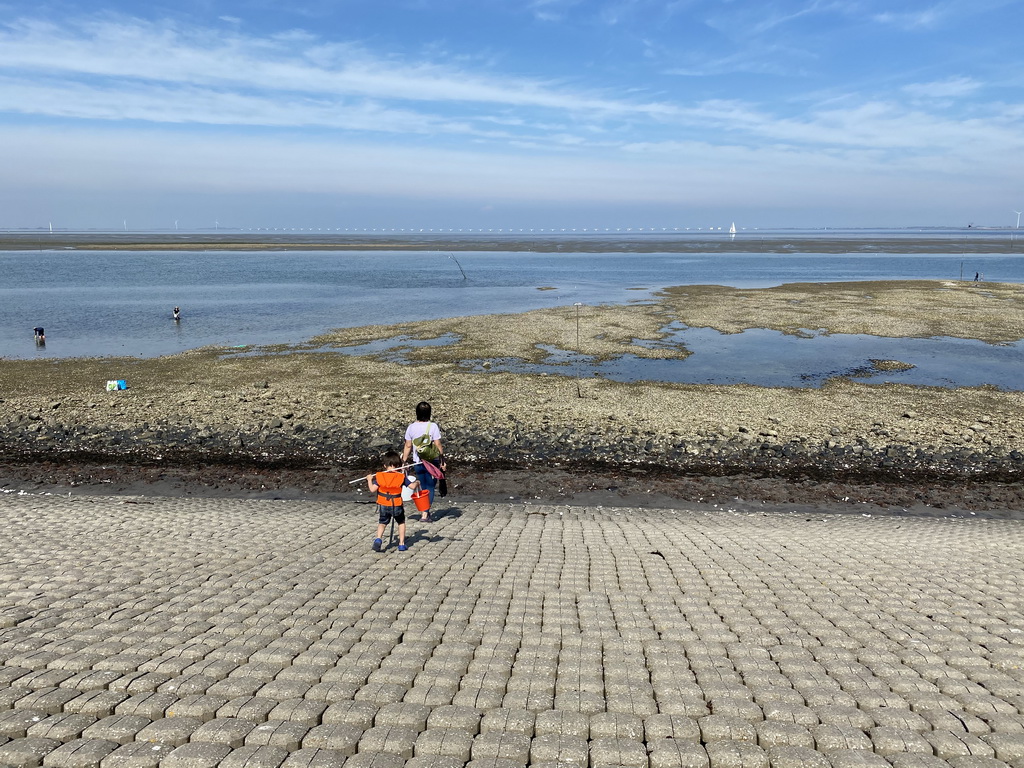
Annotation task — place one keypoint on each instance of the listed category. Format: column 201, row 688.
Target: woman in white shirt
column 424, row 426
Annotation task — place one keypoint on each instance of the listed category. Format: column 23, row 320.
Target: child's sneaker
column 377, row 543
column 402, row 548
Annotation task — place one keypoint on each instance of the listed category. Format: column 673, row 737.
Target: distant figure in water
column 39, row 335
column 976, row 276
column 177, row 314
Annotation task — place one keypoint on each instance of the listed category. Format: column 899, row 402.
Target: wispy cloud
column 133, row 49
column 776, row 18
column 943, row 89
column 924, row 19
column 551, row 10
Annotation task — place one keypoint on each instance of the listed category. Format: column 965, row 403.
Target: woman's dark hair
column 423, row 411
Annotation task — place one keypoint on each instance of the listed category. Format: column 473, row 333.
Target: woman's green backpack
column 424, row 445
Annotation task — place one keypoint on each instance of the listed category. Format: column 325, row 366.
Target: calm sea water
column 98, row 303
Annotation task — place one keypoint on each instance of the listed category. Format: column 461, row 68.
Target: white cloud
column 926, row 19
column 943, row 89
column 206, row 106
column 166, row 53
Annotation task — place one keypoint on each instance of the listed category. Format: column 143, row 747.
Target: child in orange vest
column 388, row 487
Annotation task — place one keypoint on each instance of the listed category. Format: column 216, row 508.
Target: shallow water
column 773, row 359
column 755, row 356
column 114, row 303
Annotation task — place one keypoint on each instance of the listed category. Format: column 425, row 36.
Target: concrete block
column 63, row 727
column 118, row 728
column 669, row 726
column 557, row 722
column 250, row 708
column 514, row 747
column 435, row 761
column 715, row 728
column 835, row 738
column 15, row 724
column 391, row 739
column 136, row 755
column 358, row 713
column 858, row 758
column 151, row 705
column 254, row 757
column 555, row 748
column 230, row 731
column 26, row 752
column 608, row 752
column 95, row 703
column 771, row 733
column 335, row 737
column 299, row 711
column 736, row 754
column 891, row 741
column 616, row 725
column 277, row 733
column 79, row 753
column 195, row 756
column 173, row 731
column 672, row 753
column 785, row 756
column 448, row 742
column 50, row 701
column 403, row 715
column 455, row 717
column 200, row 706
column 508, row 721
column 371, row 760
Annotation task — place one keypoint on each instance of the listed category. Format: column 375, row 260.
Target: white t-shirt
column 419, row 428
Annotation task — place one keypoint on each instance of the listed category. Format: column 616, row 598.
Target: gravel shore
column 311, row 410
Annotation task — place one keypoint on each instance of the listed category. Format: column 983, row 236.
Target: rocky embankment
column 288, row 438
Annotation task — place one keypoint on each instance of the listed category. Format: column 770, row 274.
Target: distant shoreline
column 971, row 241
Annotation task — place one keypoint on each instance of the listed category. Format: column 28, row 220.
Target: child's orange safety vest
column 389, row 488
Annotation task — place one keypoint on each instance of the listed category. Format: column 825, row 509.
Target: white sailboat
column 732, row 230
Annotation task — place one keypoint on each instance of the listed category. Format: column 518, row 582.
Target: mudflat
column 962, row 241
column 308, row 409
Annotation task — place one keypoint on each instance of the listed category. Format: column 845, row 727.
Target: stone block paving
column 137, row 633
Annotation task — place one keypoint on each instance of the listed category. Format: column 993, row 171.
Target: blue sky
column 504, row 114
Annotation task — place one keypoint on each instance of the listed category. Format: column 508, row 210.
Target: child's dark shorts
column 386, row 513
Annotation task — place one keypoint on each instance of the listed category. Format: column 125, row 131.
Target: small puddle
column 394, row 349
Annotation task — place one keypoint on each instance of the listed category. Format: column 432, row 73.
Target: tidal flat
column 966, row 241
column 309, row 407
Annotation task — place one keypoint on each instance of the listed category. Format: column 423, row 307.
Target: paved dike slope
column 190, row 633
